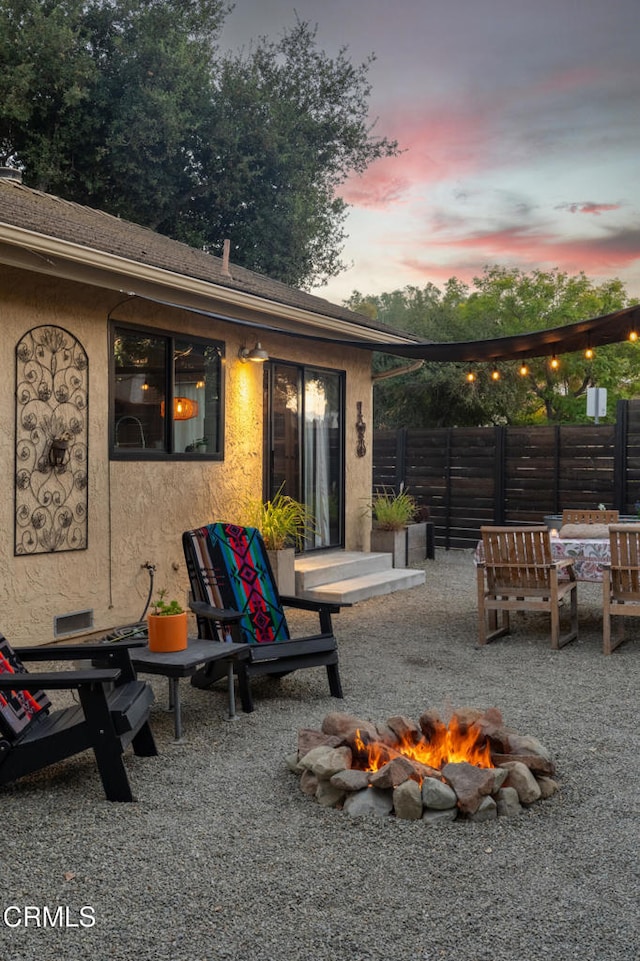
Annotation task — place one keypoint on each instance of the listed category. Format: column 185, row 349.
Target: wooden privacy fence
column 511, row 475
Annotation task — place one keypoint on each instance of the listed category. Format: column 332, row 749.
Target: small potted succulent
column 167, row 622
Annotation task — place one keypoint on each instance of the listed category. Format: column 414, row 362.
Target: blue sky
column 520, row 123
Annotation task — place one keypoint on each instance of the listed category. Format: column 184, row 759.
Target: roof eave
column 87, row 264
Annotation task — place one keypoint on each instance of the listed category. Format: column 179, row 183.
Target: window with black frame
column 166, row 395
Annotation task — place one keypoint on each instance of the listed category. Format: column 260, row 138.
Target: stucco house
column 132, row 410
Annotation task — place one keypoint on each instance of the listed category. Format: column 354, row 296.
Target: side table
column 185, row 663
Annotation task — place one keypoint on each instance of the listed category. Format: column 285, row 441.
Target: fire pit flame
column 447, row 743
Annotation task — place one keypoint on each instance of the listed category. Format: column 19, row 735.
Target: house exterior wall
column 137, row 510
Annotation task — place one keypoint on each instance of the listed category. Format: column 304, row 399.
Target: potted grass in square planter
column 284, row 523
column 393, row 517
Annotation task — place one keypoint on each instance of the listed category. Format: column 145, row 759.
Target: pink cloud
column 588, row 207
column 528, row 249
column 437, row 145
column 575, row 78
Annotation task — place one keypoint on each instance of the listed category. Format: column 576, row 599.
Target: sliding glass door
column 305, row 443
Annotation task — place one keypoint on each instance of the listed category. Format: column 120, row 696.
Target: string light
column 495, row 374
column 524, row 370
column 633, row 335
column 589, row 353
column 470, row 377
column 554, row 363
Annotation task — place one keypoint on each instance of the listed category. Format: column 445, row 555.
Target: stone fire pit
column 472, row 767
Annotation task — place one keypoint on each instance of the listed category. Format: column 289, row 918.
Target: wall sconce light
column 59, row 453
column 258, row 355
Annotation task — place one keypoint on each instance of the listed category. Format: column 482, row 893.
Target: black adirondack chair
column 229, row 572
column 113, row 712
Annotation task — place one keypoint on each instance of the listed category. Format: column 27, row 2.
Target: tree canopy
column 501, row 302
column 130, row 107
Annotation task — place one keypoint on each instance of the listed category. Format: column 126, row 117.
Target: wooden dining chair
column 621, row 582
column 571, row 516
column 518, row 573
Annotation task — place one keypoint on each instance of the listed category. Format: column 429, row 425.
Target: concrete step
column 360, row 588
column 314, row 570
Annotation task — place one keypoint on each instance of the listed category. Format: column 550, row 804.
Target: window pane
column 196, row 402
column 139, row 401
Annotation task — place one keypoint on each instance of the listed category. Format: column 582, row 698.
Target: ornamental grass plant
column 282, row 521
column 391, row 511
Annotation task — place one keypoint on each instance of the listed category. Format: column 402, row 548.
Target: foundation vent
column 74, row 623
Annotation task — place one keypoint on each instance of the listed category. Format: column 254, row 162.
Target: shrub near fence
column 511, row 475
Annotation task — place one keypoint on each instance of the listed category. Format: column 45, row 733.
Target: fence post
column 620, row 490
column 556, row 470
column 401, row 458
column 499, row 475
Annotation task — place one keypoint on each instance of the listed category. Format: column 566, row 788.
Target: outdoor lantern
column 258, row 355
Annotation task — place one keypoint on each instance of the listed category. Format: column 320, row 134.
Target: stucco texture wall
column 137, row 510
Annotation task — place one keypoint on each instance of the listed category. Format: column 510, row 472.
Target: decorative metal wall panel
column 52, row 397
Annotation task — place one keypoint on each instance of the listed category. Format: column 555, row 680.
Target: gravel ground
column 223, row 857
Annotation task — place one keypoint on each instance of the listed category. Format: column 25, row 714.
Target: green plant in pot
column 284, row 524
column 167, row 623
column 391, row 511
column 391, row 514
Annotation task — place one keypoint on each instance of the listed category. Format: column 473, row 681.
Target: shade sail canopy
column 610, row 329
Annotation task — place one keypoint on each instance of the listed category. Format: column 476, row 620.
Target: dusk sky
column 520, row 121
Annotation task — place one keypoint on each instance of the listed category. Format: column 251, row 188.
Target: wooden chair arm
column 304, row 604
column 224, row 615
column 57, row 680
column 77, row 652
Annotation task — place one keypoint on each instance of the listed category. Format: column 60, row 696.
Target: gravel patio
column 222, row 856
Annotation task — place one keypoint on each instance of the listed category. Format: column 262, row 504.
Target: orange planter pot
column 168, row 633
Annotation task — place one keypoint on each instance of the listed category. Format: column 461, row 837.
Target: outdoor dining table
column 589, row 554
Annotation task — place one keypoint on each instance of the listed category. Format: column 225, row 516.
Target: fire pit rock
column 471, row 767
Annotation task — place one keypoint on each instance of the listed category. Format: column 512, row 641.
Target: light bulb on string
column 524, row 370
column 633, row 335
column 470, row 377
column 589, row 353
column 495, row 374
column 554, row 363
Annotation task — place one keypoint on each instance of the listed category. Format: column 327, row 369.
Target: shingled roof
column 51, row 216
